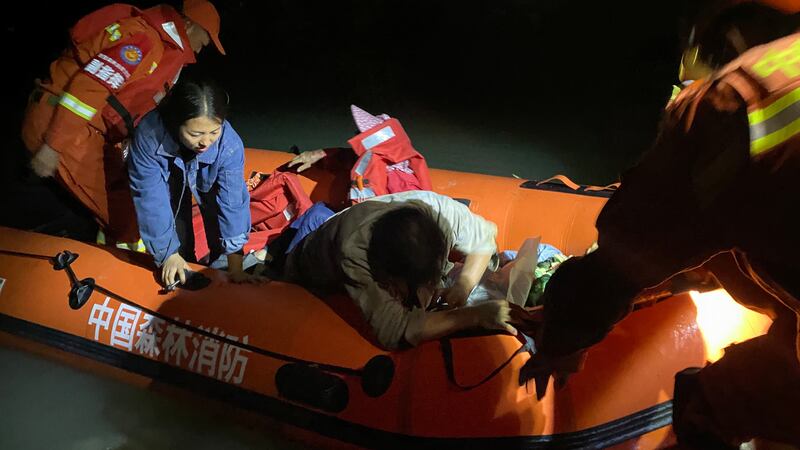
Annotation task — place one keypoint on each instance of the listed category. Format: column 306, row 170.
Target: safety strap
column 447, row 353
column 114, row 102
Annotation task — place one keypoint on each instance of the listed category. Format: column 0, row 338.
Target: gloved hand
column 45, row 162
column 542, row 366
column 174, row 266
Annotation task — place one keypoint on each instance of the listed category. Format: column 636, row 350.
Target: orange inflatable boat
column 278, row 350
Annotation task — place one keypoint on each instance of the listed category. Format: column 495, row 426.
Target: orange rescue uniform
column 122, row 62
column 721, row 177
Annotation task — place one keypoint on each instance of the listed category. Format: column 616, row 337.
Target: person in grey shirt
column 390, row 253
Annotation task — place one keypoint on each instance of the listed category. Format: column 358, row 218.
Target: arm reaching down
column 493, row 315
column 474, row 267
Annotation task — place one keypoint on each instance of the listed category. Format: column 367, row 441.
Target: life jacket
column 128, row 106
column 96, row 21
column 387, row 163
column 275, row 202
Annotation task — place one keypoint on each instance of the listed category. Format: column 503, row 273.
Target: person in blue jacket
column 183, row 149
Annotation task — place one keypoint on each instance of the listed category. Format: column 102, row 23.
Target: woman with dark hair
column 186, row 148
column 389, row 254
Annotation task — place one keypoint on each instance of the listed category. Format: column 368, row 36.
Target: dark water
column 48, row 405
column 504, row 87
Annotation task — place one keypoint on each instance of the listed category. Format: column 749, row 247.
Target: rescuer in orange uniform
column 719, row 188
column 121, row 63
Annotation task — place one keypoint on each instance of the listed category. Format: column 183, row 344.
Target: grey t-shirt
column 334, row 258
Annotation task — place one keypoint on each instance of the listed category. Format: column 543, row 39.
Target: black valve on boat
column 310, row 385
column 376, row 376
column 318, row 386
column 80, row 293
column 81, row 290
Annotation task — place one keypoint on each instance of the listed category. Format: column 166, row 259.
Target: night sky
column 500, row 87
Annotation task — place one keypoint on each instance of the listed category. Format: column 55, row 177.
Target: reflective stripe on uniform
column 361, row 167
column 133, row 246
column 81, row 109
column 378, row 137
column 675, row 91
column 774, row 124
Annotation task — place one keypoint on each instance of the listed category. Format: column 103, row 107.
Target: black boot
column 689, row 397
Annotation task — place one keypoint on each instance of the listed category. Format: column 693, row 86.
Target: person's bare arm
column 492, row 315
column 474, row 267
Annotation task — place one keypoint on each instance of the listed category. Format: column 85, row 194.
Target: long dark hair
column 192, row 98
column 407, row 246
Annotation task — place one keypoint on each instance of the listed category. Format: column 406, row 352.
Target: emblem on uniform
column 131, row 54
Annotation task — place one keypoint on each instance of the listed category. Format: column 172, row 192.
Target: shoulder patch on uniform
column 131, row 54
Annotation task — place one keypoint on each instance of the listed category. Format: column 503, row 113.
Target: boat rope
column 447, row 353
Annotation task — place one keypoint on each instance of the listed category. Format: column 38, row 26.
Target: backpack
column 275, row 202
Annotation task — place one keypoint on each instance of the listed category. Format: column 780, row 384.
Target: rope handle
column 575, row 186
column 610, row 187
column 563, row 179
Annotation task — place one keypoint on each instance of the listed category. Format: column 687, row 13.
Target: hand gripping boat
column 278, row 350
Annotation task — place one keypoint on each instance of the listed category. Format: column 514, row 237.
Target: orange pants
column 92, row 169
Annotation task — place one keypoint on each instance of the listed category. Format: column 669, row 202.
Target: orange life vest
column 382, row 150
column 127, row 106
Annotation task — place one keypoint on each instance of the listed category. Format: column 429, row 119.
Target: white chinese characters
column 150, row 336
column 123, row 332
column 105, row 73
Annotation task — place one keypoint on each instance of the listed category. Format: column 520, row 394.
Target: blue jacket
column 220, row 168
